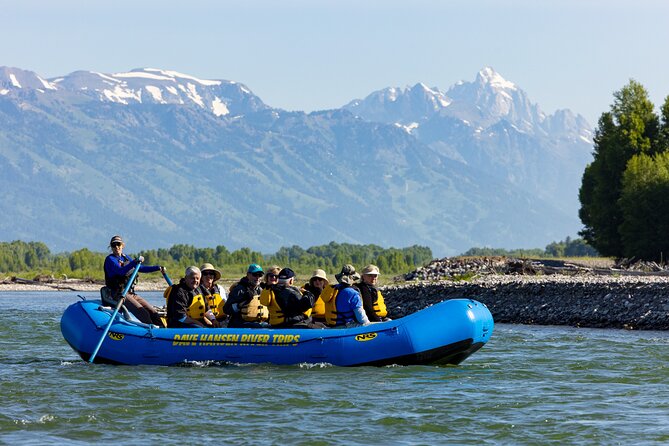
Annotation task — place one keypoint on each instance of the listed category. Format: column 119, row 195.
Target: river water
column 529, row 385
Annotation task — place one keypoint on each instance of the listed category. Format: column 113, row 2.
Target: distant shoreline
column 73, row 286
column 581, row 300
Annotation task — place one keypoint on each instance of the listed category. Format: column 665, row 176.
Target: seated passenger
column 243, row 304
column 317, row 283
column 186, row 307
column 213, row 292
column 271, row 277
column 289, row 307
column 372, row 299
column 343, row 303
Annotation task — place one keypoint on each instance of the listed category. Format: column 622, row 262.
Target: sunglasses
column 209, row 273
column 257, row 274
column 272, row 276
column 116, row 244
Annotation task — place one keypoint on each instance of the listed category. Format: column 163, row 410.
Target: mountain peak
column 488, row 76
column 18, row 79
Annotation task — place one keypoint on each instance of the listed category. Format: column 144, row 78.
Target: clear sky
column 317, row 54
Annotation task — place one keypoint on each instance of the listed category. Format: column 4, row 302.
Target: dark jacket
column 240, row 295
column 369, row 295
column 293, row 303
column 178, row 301
column 118, row 270
column 313, row 290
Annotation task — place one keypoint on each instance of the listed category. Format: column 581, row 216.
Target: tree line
column 18, row 257
column 624, row 192
column 566, row 248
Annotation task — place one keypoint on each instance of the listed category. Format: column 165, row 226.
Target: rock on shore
column 546, row 295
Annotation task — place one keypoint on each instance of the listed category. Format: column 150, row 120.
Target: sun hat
column 347, row 275
column 371, row 270
column 209, row 267
column 254, row 268
column 319, row 274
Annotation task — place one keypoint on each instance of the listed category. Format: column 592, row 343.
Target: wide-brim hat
column 347, row 275
column 319, row 274
column 210, row 267
column 372, row 270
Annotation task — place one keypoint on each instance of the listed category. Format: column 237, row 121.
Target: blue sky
column 310, row 54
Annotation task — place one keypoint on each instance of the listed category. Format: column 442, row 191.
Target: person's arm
column 307, row 301
column 113, row 267
column 222, row 293
column 358, row 310
column 238, row 297
column 147, row 268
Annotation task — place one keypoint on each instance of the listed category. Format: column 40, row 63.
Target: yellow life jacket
column 216, row 303
column 254, row 311
column 380, row 305
column 329, row 298
column 197, row 307
column 318, row 310
column 268, row 299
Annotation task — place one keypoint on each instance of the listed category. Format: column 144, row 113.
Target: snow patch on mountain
column 121, row 95
column 173, row 74
column 12, row 78
column 156, row 93
column 219, row 108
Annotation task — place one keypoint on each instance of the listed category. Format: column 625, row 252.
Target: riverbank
column 631, row 302
column 536, row 293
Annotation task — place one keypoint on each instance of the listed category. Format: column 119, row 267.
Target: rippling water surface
column 528, row 385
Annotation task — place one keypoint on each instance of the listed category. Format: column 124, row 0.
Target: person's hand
column 163, row 270
column 140, row 259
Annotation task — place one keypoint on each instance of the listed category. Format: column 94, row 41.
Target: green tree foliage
column 644, row 204
column 22, row 256
column 17, row 257
column 630, row 128
column 566, row 248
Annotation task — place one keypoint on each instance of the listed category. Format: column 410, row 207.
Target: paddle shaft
column 113, row 316
column 167, row 278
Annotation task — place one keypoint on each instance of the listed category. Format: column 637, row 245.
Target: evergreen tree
column 645, row 207
column 630, row 128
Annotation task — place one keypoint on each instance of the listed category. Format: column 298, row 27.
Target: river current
column 529, row 385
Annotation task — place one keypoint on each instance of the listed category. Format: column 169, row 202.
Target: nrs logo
column 365, row 337
column 116, row 336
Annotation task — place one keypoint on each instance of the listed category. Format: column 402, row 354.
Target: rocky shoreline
column 604, row 302
column 542, row 293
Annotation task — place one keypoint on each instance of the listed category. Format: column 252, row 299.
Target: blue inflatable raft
column 445, row 333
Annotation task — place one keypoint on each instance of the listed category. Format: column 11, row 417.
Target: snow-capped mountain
column 141, row 86
column 491, row 125
column 407, row 107
column 165, row 158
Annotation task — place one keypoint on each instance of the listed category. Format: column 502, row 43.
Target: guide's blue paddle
column 118, row 306
column 167, row 278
